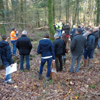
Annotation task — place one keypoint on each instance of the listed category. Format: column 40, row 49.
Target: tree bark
column 50, row 19
column 76, row 12
column 98, row 11
column 2, row 27
column 67, row 10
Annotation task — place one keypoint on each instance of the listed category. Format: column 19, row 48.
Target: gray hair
column 56, row 35
column 24, row 32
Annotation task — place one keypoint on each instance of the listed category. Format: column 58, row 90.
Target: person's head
column 13, row 29
column 74, row 26
column 90, row 31
column 99, row 26
column 46, row 35
column 4, row 38
column 82, row 25
column 67, row 22
column 58, row 21
column 86, row 28
column 24, row 32
column 56, row 36
column 95, row 29
column 78, row 31
column 79, row 27
column 64, row 37
column 89, row 26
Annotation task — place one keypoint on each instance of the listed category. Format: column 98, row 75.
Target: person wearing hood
column 5, row 53
column 24, row 46
column 45, row 48
column 59, row 49
column 89, row 48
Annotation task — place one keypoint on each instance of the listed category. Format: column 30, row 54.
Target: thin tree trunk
column 53, row 11
column 22, row 13
column 98, row 11
column 67, row 10
column 76, row 12
column 50, row 19
column 2, row 27
column 60, row 9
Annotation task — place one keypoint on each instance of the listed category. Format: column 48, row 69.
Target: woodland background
column 39, row 13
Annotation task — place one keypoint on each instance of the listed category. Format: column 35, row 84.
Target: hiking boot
column 40, row 77
column 48, row 78
column 10, row 82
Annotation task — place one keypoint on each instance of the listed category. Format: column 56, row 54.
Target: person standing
column 59, row 28
column 73, row 32
column 14, row 35
column 77, row 47
column 65, row 43
column 67, row 30
column 96, row 33
column 99, row 38
column 5, row 52
column 85, row 34
column 59, row 51
column 89, row 48
column 24, row 46
column 82, row 28
column 45, row 48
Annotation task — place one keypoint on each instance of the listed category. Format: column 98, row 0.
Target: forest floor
column 84, row 85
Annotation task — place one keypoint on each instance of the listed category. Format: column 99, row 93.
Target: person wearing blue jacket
column 5, row 53
column 73, row 32
column 45, row 48
column 90, row 47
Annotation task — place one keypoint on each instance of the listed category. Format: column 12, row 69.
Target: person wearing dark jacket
column 77, row 47
column 24, row 46
column 45, row 48
column 96, row 33
column 73, row 32
column 89, row 48
column 5, row 53
column 99, row 38
column 67, row 30
column 59, row 51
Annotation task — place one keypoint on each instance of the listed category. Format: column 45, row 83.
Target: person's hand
column 53, row 61
column 11, row 65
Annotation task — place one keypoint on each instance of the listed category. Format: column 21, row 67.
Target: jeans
column 7, row 77
column 59, row 63
column 74, row 58
column 59, row 32
column 49, row 62
column 14, row 48
column 27, row 62
column 99, row 44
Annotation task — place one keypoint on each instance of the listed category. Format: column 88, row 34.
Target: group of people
column 24, row 46
column 84, row 40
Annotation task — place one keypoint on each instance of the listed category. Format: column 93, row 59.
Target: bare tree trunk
column 2, row 27
column 53, row 11
column 76, row 12
column 50, row 19
column 67, row 10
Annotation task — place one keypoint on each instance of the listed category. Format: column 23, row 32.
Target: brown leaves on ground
column 84, row 85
